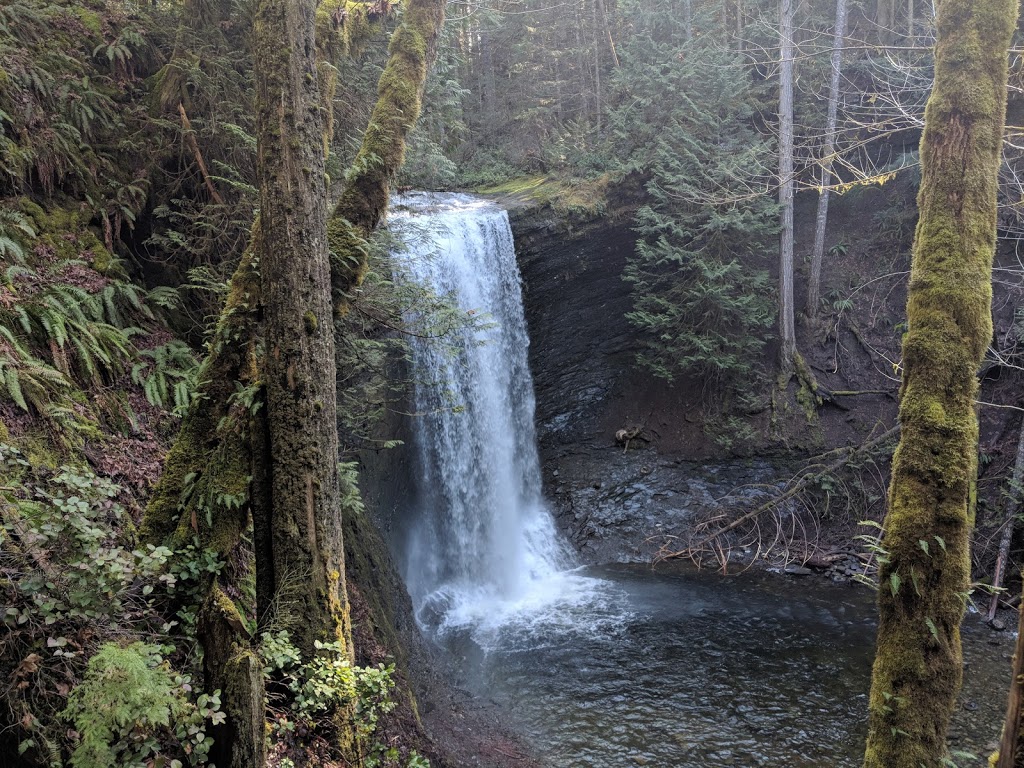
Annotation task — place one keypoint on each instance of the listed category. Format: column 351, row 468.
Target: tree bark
column 821, row 220
column 926, row 574
column 308, row 571
column 787, row 326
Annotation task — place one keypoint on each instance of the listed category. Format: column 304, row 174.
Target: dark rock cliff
column 621, row 501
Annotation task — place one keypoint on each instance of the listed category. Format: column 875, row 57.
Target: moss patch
column 587, row 197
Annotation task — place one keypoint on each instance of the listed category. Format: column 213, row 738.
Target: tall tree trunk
column 821, row 220
column 787, row 327
column 925, row 577
column 608, row 31
column 597, row 68
column 885, row 13
column 306, row 585
column 1012, row 508
column 739, row 25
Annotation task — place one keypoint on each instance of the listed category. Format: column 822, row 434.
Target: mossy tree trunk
column 364, row 201
column 926, row 575
column 304, row 582
column 218, row 479
column 206, row 495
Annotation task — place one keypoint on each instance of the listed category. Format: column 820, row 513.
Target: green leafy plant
column 73, row 516
column 167, row 375
column 132, row 709
column 14, row 228
column 326, row 684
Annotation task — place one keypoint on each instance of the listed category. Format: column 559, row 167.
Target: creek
column 617, row 665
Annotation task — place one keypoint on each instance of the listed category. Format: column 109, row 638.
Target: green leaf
column 894, row 583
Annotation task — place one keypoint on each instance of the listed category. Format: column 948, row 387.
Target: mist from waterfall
column 483, row 553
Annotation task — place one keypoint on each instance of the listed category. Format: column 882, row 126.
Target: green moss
column 67, row 233
column 208, row 470
column 587, row 197
column 918, row 665
column 310, row 322
column 91, row 20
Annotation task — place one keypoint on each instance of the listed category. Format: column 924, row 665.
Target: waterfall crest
column 483, row 551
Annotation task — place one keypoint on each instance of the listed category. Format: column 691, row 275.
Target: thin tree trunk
column 787, row 327
column 1012, row 507
column 925, row 577
column 688, row 18
column 821, row 220
column 597, row 69
column 739, row 25
column 884, row 19
column 1011, row 744
column 910, row 18
column 608, row 32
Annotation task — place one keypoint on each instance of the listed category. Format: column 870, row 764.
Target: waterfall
column 482, row 550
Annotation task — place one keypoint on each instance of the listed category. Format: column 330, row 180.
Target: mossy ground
column 587, row 197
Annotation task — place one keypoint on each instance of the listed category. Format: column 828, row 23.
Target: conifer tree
column 704, row 309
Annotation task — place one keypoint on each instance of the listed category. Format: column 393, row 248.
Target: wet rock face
column 616, row 502
column 625, row 506
column 582, row 347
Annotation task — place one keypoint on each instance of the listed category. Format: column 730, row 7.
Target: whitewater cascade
column 483, row 550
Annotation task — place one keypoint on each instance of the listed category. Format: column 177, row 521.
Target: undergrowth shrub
column 74, row 585
column 131, row 709
column 304, row 696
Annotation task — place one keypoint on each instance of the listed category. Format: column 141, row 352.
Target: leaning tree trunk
column 399, row 99
column 787, row 325
column 926, row 575
column 828, row 150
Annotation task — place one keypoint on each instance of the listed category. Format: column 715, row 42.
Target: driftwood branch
column 848, row 454
column 190, row 139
